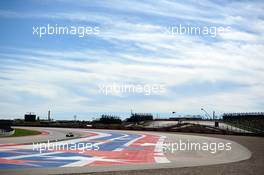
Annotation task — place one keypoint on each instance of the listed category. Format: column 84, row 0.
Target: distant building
column 30, row 117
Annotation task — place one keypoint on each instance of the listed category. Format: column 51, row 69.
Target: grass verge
column 24, row 132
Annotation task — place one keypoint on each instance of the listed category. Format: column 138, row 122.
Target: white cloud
column 68, row 79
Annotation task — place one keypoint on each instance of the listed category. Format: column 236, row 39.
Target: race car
column 70, row 134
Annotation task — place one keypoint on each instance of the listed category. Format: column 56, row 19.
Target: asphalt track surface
column 109, row 151
column 51, row 134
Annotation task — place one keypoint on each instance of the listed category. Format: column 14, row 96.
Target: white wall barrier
column 4, row 132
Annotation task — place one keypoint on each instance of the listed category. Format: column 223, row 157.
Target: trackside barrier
column 5, row 133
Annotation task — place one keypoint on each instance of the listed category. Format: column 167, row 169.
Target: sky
column 62, row 73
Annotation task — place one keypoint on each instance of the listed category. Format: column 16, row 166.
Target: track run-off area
column 110, row 150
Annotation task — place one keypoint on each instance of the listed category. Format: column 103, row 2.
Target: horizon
column 88, row 116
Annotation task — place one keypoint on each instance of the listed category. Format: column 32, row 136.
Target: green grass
column 24, row 132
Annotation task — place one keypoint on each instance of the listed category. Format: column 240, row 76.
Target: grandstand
column 108, row 119
column 140, row 117
column 251, row 121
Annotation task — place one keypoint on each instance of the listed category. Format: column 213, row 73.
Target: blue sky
column 62, row 73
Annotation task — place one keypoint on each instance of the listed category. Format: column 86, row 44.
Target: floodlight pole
column 207, row 113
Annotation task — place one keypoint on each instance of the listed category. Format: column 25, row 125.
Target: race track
column 106, row 150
